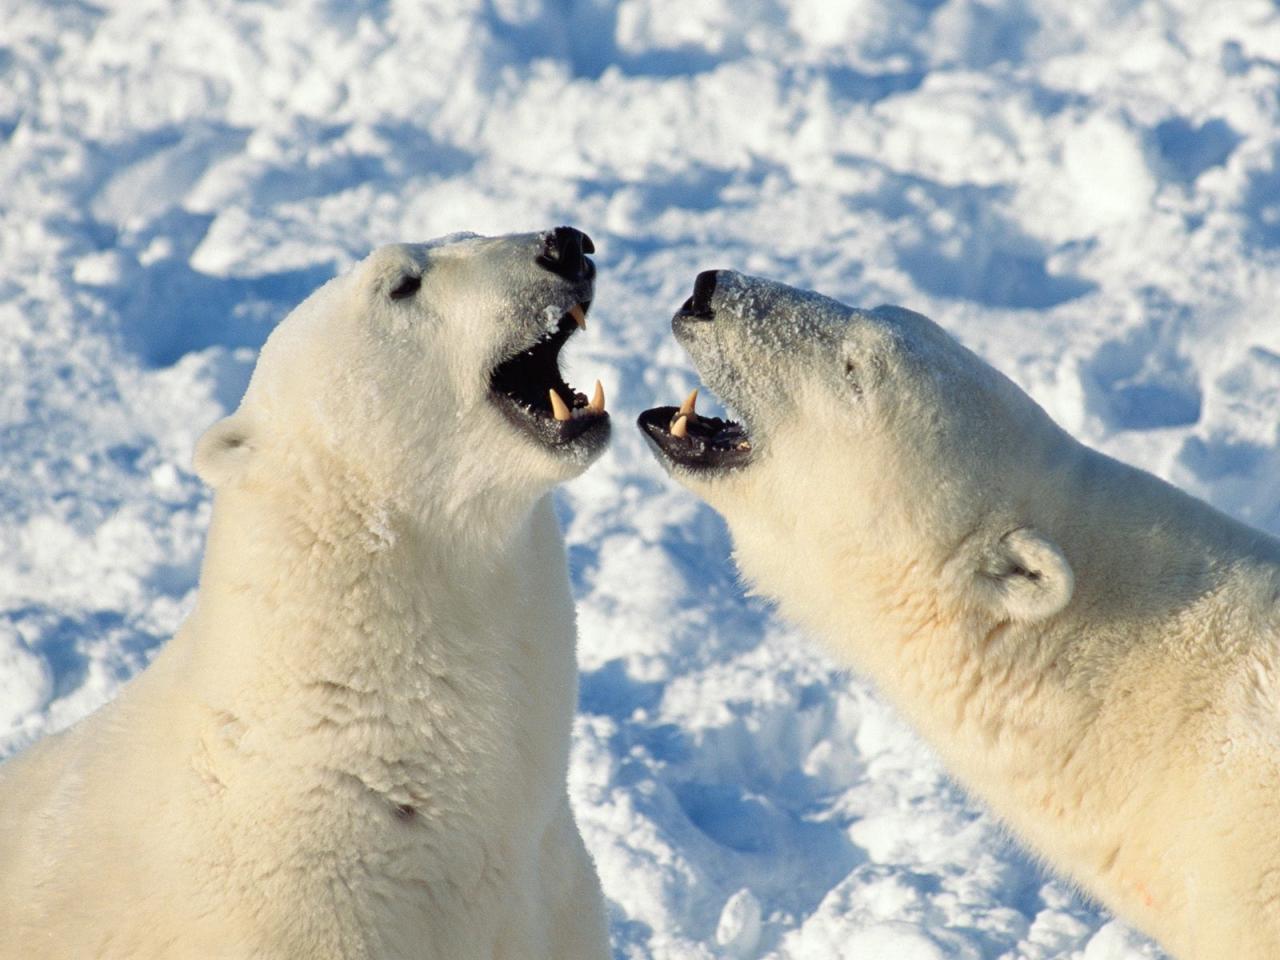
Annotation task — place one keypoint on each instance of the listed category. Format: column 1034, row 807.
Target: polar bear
column 1091, row 651
column 357, row 744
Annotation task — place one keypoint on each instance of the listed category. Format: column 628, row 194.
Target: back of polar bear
column 356, row 745
column 1091, row 651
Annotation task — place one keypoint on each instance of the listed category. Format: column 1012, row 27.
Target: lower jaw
column 583, row 432
column 690, row 453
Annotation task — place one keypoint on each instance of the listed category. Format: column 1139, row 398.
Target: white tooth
column 579, row 315
column 681, row 427
column 558, row 407
column 597, row 399
column 688, row 407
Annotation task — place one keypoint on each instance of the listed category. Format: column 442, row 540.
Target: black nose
column 564, row 252
column 699, row 305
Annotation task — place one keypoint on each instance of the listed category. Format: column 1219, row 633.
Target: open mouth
column 529, row 389
column 680, row 435
column 688, row 439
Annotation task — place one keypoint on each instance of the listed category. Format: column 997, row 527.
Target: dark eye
column 853, row 376
column 407, row 287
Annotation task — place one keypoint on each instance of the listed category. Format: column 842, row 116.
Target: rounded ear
column 224, row 450
column 1026, row 576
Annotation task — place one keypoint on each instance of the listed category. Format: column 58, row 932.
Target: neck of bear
column 313, row 579
column 1170, row 597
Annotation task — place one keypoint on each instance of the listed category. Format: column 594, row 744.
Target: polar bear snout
column 564, row 252
column 743, row 334
column 680, row 436
column 526, row 384
column 698, row 306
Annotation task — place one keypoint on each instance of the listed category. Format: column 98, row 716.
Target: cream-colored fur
column 1091, row 651
column 356, row 746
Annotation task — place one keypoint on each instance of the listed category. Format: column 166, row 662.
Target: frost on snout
column 736, row 328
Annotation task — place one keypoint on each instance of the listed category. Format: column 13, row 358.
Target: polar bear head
column 876, row 457
column 423, row 379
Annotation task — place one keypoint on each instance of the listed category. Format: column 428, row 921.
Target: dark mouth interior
column 523, row 385
column 529, row 377
column 709, row 442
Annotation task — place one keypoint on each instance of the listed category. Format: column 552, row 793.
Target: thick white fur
column 356, row 746
column 1094, row 653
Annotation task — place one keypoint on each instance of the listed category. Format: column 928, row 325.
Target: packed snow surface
column 1085, row 192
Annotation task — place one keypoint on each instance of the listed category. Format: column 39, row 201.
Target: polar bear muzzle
column 680, row 435
column 528, row 387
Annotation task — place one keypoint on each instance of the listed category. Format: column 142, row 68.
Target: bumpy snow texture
column 1085, row 192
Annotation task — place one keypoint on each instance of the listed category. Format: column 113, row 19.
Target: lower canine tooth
column 681, row 427
column 558, row 407
column 688, row 407
column 579, row 315
column 597, row 399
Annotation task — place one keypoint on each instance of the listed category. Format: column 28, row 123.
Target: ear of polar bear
column 1027, row 575
column 224, row 451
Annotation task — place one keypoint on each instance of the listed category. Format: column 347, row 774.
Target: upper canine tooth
column 687, row 408
column 681, row 427
column 579, row 315
column 597, row 399
column 558, row 407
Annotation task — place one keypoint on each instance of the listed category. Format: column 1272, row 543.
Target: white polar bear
column 356, row 746
column 1091, row 651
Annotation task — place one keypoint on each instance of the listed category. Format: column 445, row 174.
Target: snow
column 1085, row 192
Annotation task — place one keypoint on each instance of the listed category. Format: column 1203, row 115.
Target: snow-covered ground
column 1087, row 192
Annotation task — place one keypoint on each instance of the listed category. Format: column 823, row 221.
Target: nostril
column 699, row 305
column 564, row 252
column 573, row 239
column 581, row 239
